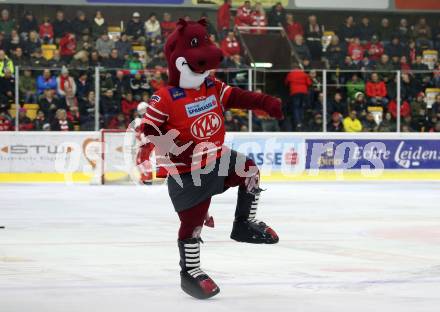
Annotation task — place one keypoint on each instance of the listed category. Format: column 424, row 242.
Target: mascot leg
column 246, row 228
column 144, row 164
column 194, row 281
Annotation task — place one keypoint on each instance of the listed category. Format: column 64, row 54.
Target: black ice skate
column 194, row 281
column 246, row 228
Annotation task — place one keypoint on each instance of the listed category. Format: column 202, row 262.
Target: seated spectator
column 81, row 25
column 27, row 25
column 56, row 61
column 135, row 28
column 28, row 87
column 60, row 122
column 41, row 123
column 232, row 124
column 74, row 117
column 301, row 49
column 64, row 82
column 354, row 86
column 337, row 105
column 293, row 28
column 421, row 68
column 7, row 24
column 95, row 59
column 49, row 103
column 352, row 123
column 104, row 46
column 385, row 31
column 335, row 124
column 157, row 81
column 366, row 30
column 83, row 85
column 336, row 52
column 243, row 15
column 315, row 125
column 87, row 112
column 435, row 108
column 355, row 50
column 277, row 15
column 80, row 60
column 37, row 60
column 32, row 44
column 139, row 85
column 385, row 68
column 418, row 104
column 376, row 91
column 114, row 61
column 19, row 59
column 6, row 123
column 423, row 34
column 61, row 26
column 349, row 67
column 313, row 36
column 13, row 42
column 230, row 45
column 46, row 81
column 120, row 122
column 348, row 31
column 108, row 107
column 152, row 27
column 68, row 47
column 359, row 104
column 403, row 31
column 123, row 46
column 134, row 63
column 46, row 31
column 129, row 105
column 120, row 84
column 159, row 61
column 374, row 49
column 167, row 26
column 420, row 121
column 24, row 122
column 99, row 26
column 405, row 108
column 369, row 124
column 387, row 124
column 156, row 46
column 85, row 43
column 395, row 48
column 7, row 87
column 5, row 63
column 258, row 19
column 409, row 87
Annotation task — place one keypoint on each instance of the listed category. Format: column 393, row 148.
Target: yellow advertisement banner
column 236, row 3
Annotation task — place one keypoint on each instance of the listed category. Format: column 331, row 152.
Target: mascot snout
column 191, row 54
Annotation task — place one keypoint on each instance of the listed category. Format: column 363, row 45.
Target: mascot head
column 190, row 54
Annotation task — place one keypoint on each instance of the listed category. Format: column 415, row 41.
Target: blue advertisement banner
column 373, row 154
column 138, row 1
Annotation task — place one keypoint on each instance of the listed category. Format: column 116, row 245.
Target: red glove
column 272, row 106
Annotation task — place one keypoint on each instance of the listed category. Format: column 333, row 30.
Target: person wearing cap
column 37, row 60
column 135, row 28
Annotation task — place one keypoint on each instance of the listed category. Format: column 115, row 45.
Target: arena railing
column 325, row 82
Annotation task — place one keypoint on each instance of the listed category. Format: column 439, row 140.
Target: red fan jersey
column 197, row 115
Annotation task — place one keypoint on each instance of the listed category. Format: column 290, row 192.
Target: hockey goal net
column 118, row 158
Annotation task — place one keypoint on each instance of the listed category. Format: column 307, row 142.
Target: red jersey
column 198, row 117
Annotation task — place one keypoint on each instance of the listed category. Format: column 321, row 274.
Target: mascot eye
column 194, row 42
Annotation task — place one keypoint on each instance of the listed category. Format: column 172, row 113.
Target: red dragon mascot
column 185, row 122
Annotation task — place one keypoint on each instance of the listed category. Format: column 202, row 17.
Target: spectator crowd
column 58, row 57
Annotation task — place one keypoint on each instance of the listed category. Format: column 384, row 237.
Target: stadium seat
column 31, row 110
column 48, row 50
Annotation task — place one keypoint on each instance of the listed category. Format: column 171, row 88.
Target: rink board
column 32, row 157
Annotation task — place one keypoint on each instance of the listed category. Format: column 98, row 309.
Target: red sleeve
column 224, row 92
column 157, row 108
column 369, row 89
column 383, row 89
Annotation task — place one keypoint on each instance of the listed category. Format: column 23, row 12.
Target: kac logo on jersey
column 206, row 126
column 201, row 107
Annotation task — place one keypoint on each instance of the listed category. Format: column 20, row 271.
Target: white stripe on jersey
column 154, row 118
column 156, row 110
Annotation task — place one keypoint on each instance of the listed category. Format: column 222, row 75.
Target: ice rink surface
column 344, row 247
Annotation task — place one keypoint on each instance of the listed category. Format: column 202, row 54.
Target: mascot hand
column 272, row 106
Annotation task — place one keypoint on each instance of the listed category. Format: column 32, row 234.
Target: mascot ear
column 181, row 24
column 203, row 22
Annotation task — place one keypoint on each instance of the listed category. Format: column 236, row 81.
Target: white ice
column 344, row 247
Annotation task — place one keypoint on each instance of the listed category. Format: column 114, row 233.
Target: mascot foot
column 194, row 281
column 253, row 232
